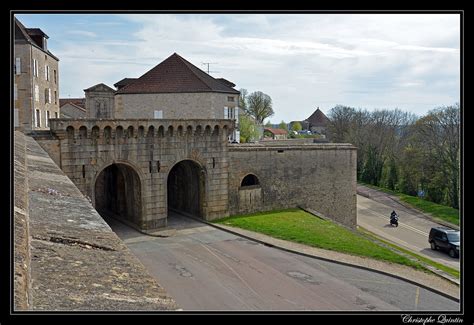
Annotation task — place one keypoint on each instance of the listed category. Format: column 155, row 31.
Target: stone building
column 276, row 134
column 36, row 80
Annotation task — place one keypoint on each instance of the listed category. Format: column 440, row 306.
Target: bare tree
column 259, row 105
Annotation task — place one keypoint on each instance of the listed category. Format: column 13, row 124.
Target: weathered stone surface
column 77, row 262
column 292, row 173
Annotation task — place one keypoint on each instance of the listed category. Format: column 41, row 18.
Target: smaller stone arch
column 198, row 131
column 119, row 132
column 107, row 133
column 250, row 180
column 130, row 131
column 189, row 130
column 215, row 131
column 170, row 130
column 151, row 131
column 180, row 130
column 161, row 131
column 70, row 132
column 83, row 132
column 95, row 133
column 207, row 130
column 141, row 131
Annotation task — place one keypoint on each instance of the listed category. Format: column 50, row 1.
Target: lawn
column 438, row 211
column 301, row 227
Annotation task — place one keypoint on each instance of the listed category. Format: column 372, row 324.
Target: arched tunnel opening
column 118, row 193
column 186, row 188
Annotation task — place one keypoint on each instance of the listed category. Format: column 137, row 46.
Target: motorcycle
column 394, row 220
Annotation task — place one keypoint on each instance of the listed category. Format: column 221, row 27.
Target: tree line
column 403, row 152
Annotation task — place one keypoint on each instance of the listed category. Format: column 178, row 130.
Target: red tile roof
column 175, row 75
column 276, row 131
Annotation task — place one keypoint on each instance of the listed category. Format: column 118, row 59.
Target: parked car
column 445, row 239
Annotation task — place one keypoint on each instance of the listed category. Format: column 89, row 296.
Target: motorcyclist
column 393, row 214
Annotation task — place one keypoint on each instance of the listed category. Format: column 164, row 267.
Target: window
column 46, row 72
column 55, row 77
column 15, row 92
column 55, row 114
column 18, row 66
column 49, row 96
column 226, row 112
column 55, row 97
column 46, row 93
column 35, row 67
column 38, row 118
column 37, row 93
column 47, row 119
column 230, row 98
column 158, row 114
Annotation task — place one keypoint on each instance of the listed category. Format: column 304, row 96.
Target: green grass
column 301, row 227
column 422, row 259
column 438, row 211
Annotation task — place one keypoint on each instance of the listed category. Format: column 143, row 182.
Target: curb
column 328, row 260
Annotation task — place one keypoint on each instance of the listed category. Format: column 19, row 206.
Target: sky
column 302, row 61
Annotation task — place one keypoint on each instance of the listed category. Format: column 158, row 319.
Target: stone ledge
column 77, row 262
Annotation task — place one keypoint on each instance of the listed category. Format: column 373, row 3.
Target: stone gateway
column 139, row 170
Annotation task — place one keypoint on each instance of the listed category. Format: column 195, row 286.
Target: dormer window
column 45, row 46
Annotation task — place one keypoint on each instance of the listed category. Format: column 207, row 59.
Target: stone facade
column 145, row 151
column 140, row 169
column 321, row 177
column 100, row 102
column 36, row 95
column 175, row 105
column 70, row 110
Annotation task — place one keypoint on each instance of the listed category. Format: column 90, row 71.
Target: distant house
column 72, row 107
column 317, row 122
column 276, row 134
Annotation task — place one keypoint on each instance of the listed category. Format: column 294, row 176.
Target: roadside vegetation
column 301, row 227
column 416, row 156
column 437, row 211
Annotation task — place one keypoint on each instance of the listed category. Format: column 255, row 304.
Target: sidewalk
column 425, row 279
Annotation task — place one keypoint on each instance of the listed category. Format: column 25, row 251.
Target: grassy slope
column 301, row 227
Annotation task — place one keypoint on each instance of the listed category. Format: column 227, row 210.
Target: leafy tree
column 259, row 105
column 283, row 126
column 296, row 127
column 248, row 129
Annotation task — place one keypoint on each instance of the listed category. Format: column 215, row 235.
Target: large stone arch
column 117, row 191
column 186, row 188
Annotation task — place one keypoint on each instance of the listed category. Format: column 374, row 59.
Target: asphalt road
column 412, row 232
column 204, row 268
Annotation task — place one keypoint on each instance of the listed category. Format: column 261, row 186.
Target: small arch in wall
column 95, row 132
column 250, row 180
column 82, row 132
column 198, row 131
column 161, row 131
column 141, row 131
column 207, row 130
column 119, row 132
column 151, row 132
column 130, row 132
column 170, row 131
column 215, row 132
column 70, row 132
column 189, row 130
column 180, row 130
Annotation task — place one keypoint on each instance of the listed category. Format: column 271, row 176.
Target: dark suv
column 445, row 239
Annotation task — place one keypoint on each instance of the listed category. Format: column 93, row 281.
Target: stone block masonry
column 140, row 168
column 317, row 176
column 66, row 257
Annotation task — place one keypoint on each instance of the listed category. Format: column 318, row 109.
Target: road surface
column 412, row 232
column 204, row 268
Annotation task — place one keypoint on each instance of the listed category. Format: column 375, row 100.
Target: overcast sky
column 373, row 61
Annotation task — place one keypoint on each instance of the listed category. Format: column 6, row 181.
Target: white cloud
column 301, row 61
column 82, row 33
